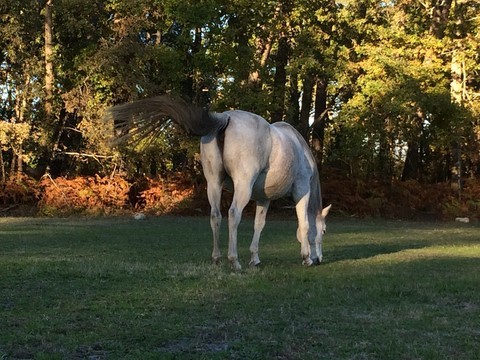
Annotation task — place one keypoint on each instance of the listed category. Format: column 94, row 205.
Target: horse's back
column 298, row 144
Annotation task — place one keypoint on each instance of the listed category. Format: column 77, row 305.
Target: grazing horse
column 245, row 153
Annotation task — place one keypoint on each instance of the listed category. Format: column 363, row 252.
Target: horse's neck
column 315, row 202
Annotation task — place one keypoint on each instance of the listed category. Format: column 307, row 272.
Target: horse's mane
column 315, row 202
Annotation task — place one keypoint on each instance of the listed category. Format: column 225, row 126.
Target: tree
column 49, row 76
column 20, row 68
column 388, row 89
column 398, row 89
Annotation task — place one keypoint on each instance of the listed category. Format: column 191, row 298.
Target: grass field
column 124, row 289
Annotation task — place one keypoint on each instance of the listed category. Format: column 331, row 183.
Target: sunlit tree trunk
column 264, row 48
column 20, row 110
column 254, row 77
column 49, row 76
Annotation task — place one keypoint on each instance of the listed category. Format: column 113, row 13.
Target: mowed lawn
column 119, row 288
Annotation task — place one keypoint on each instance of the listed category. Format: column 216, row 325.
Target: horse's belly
column 271, row 186
column 277, row 180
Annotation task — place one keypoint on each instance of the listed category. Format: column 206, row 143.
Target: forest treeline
column 384, row 91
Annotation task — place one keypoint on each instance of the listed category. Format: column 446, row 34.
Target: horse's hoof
column 307, row 262
column 236, row 265
column 216, row 261
column 254, row 263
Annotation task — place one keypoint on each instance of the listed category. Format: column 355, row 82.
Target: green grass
column 124, row 289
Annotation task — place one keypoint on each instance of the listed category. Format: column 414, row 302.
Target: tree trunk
column 281, row 62
column 20, row 110
column 189, row 83
column 320, row 121
column 456, row 95
column 458, row 89
column 2, row 168
column 49, row 76
column 13, row 163
column 441, row 10
column 254, row 76
column 456, row 83
column 307, row 96
column 412, row 162
column 279, row 80
column 20, row 162
column 384, row 170
column 293, row 111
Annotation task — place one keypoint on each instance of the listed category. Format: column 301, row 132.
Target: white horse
column 245, row 153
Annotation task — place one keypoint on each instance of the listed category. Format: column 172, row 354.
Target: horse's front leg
column 318, row 246
column 321, row 228
column 306, row 231
column 260, row 215
column 319, row 240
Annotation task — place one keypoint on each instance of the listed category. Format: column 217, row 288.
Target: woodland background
column 386, row 92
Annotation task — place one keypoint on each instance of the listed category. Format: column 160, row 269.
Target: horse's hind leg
column 215, row 174
column 241, row 197
column 260, row 215
column 214, row 193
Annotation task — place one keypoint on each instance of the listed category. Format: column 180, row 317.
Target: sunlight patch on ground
column 425, row 253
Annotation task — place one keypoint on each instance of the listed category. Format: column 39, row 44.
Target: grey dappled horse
column 242, row 151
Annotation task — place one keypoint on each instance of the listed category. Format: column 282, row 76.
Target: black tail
column 146, row 118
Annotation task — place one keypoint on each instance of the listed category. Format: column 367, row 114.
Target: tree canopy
column 383, row 89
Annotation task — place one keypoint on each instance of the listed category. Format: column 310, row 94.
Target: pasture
column 117, row 288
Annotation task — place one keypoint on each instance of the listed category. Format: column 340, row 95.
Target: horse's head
column 321, row 229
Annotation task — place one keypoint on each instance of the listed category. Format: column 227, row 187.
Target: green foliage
column 388, row 66
column 13, row 135
column 398, row 88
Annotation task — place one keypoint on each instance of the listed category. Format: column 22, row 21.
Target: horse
column 243, row 152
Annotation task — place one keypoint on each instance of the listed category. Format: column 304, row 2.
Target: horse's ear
column 326, row 210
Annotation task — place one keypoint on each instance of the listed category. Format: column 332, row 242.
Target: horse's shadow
column 365, row 251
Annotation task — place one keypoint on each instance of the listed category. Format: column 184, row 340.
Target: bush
column 402, row 200
column 184, row 195
column 160, row 196
column 20, row 191
column 92, row 195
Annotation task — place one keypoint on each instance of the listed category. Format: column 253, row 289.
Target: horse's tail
column 146, row 118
